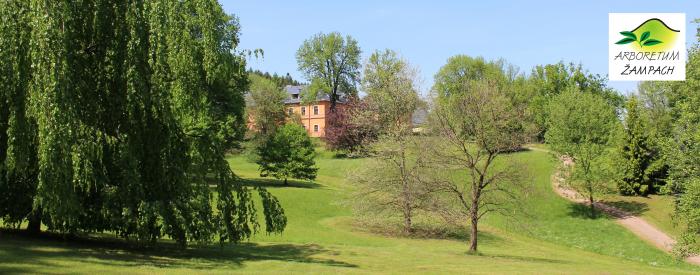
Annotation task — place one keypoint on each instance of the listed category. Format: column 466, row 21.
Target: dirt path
column 636, row 225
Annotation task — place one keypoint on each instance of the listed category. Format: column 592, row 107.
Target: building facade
column 312, row 116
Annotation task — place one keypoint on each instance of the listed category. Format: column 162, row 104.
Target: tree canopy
column 477, row 122
column 288, row 153
column 583, row 126
column 391, row 94
column 265, row 105
column 331, row 63
column 547, row 81
column 391, row 183
column 682, row 148
column 118, row 117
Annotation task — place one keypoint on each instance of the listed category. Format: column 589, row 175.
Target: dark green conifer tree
column 640, row 163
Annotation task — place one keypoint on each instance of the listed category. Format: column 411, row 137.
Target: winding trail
column 636, row 225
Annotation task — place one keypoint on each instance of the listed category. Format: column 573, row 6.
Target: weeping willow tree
column 115, row 117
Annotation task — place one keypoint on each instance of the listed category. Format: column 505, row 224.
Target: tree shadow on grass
column 275, row 183
column 49, row 250
column 516, row 150
column 393, row 229
column 455, row 235
column 341, row 155
column 461, row 234
column 608, row 209
column 345, row 155
column 583, row 211
column 525, row 258
column 632, row 207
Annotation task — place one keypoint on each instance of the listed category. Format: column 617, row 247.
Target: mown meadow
column 555, row 236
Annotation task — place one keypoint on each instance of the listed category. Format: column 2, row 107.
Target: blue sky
column 426, row 33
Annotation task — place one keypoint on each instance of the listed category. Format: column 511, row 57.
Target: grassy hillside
column 559, row 221
column 321, row 238
column 656, row 209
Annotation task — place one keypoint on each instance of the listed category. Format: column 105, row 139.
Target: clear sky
column 426, row 33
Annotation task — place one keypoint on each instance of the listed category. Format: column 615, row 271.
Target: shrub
column 288, row 153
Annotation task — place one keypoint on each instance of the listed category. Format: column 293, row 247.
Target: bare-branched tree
column 391, row 184
column 476, row 123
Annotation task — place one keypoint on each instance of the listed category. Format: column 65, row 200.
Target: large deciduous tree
column 390, row 84
column 582, row 126
column 265, row 105
column 331, row 63
column 477, row 122
column 392, row 183
column 682, row 150
column 18, row 132
column 548, row 81
column 118, row 117
column 655, row 102
column 346, row 133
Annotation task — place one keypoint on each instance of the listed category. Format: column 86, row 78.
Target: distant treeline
column 279, row 80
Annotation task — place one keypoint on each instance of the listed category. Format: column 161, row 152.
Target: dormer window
column 295, row 96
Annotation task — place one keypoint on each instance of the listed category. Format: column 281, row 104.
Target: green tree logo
column 652, row 35
column 643, row 40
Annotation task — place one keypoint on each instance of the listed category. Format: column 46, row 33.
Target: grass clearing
column 321, row 238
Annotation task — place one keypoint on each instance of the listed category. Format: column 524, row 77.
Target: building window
column 295, row 96
column 316, row 128
column 303, row 111
column 315, row 109
column 290, row 111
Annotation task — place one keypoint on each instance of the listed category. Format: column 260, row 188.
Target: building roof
column 419, row 116
column 294, row 94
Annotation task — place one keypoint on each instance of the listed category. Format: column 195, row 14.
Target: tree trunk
column 473, row 235
column 407, row 223
column 590, row 200
column 333, row 97
column 407, row 211
column 34, row 226
column 474, row 216
column 285, row 181
column 332, row 107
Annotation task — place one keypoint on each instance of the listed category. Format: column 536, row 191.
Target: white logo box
column 628, row 62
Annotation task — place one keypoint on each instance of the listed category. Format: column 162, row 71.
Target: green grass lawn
column 655, row 209
column 322, row 238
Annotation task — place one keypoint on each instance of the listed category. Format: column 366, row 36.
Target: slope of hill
column 321, row 238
